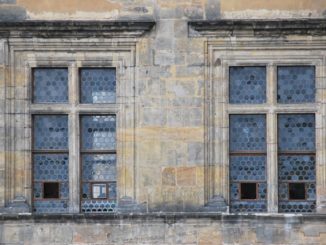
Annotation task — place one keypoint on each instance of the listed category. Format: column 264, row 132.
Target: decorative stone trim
column 75, row 29
column 257, row 28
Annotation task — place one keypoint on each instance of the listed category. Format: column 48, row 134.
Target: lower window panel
column 51, row 206
column 98, row 206
column 297, row 207
column 248, row 206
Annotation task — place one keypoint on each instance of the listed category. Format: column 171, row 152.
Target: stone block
column 186, row 176
column 196, row 153
column 163, row 57
column 168, row 176
column 154, row 116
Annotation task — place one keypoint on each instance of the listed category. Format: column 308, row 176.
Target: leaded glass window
column 248, row 163
column 50, row 85
column 247, row 85
column 99, row 163
column 295, row 84
column 50, row 164
column 98, row 85
column 296, row 163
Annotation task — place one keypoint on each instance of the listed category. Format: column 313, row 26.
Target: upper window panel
column 247, row 85
column 98, row 132
column 296, row 132
column 50, row 85
column 50, row 132
column 295, row 84
column 247, row 133
column 98, row 85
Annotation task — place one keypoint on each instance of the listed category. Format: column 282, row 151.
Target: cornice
column 75, row 29
column 257, row 28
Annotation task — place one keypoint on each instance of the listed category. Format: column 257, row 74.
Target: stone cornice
column 257, row 28
column 170, row 217
column 75, row 29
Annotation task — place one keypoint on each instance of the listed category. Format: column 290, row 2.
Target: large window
column 66, row 107
column 296, row 151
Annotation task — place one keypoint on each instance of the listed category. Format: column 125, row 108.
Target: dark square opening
column 51, row 190
column 297, row 191
column 248, row 191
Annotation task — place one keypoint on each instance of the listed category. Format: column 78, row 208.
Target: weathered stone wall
column 191, row 229
column 163, row 165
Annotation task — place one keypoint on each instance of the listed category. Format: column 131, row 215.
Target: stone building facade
column 163, row 122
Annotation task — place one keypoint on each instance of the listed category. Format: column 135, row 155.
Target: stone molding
column 257, row 28
column 72, row 29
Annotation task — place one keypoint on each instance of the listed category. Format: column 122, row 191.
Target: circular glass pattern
column 50, row 85
column 98, row 85
column 296, row 84
column 247, row 85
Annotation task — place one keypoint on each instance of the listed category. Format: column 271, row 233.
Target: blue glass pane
column 98, row 132
column 50, row 132
column 86, row 190
column 50, row 167
column 244, row 168
column 98, row 206
column 64, row 190
column 297, row 168
column 262, row 191
column 283, row 191
column 50, row 85
column 297, row 207
column 296, row 84
column 37, row 190
column 248, row 206
column 98, row 85
column 296, row 132
column 99, row 167
column 53, row 206
column 235, row 191
column 311, row 191
column 247, row 85
column 247, row 132
column 112, row 190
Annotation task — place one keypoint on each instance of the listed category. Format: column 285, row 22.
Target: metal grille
column 296, row 84
column 50, row 162
column 98, row 85
column 248, row 161
column 99, row 169
column 247, row 85
column 50, row 85
column 296, row 160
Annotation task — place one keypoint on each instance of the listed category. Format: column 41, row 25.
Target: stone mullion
column 74, row 154
column 271, row 138
column 320, row 136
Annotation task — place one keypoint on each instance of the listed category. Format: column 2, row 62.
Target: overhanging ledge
column 257, row 28
column 75, row 29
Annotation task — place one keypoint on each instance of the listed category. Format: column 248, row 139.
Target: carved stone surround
column 72, row 45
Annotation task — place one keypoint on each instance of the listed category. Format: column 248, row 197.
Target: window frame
column 73, row 109
column 220, row 56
